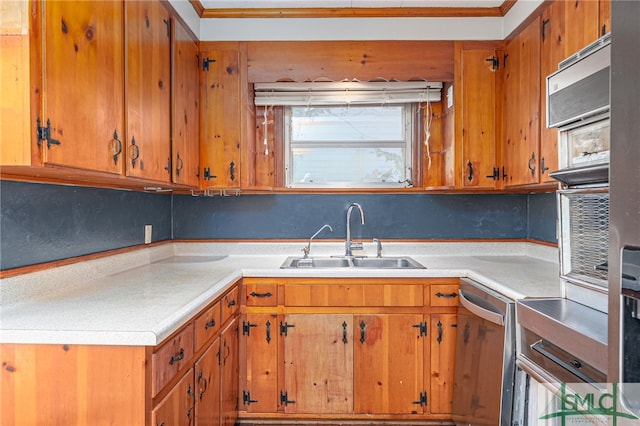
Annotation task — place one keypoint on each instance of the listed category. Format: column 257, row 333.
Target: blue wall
column 40, row 223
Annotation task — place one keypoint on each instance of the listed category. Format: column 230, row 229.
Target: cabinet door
column 443, row 329
column 260, row 393
column 229, row 364
column 148, row 90
column 581, row 16
column 221, row 119
column 318, row 364
column 552, row 51
column 207, row 386
column 177, row 407
column 476, row 119
column 83, row 72
column 186, row 108
column 388, row 364
column 522, row 107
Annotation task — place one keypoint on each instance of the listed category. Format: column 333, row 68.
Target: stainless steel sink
column 403, row 262
column 386, row 263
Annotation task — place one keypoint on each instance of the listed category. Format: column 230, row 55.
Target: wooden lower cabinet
column 176, row 408
column 364, row 359
column 177, row 383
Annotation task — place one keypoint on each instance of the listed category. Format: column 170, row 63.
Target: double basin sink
column 403, row 262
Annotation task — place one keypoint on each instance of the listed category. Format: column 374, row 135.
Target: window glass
column 348, row 146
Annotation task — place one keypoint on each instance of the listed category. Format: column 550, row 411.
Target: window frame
column 411, row 120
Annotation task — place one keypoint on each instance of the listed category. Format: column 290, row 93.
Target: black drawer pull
column 254, row 294
column 231, row 303
column 447, row 295
column 210, row 324
column 177, row 358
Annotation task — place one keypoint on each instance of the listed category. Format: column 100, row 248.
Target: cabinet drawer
column 207, row 324
column 170, row 357
column 353, row 295
column 444, row 294
column 229, row 304
column 261, row 294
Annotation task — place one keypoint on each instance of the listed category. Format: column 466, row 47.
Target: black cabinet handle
column 135, row 152
column 470, row 165
column 210, row 324
column 542, row 166
column 179, row 164
column 177, row 358
column 363, row 327
column 232, row 171
column 344, row 333
column 532, row 163
column 268, row 327
column 254, row 294
column 118, row 149
column 231, row 303
column 447, row 295
column 440, row 332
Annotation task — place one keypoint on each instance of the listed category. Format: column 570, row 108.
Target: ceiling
column 350, row 8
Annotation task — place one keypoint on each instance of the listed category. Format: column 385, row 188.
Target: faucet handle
column 306, row 250
column 379, row 247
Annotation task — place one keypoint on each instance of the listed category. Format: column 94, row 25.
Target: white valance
column 346, row 93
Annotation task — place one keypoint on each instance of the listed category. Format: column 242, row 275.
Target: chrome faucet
column 349, row 245
column 307, row 249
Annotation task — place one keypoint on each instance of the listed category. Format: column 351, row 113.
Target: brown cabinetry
column 179, row 382
column 221, row 118
column 67, row 71
column 348, row 348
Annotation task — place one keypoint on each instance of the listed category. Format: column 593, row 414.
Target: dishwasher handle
column 494, row 317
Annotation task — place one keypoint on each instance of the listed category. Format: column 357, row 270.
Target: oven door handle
column 539, row 347
column 494, row 317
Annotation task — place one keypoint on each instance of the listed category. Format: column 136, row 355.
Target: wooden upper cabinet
column 475, row 106
column 522, row 107
column 83, row 96
column 186, row 107
column 552, row 52
column 148, row 142
column 221, row 119
column 581, row 20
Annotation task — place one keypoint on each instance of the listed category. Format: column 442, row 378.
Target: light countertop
column 141, row 297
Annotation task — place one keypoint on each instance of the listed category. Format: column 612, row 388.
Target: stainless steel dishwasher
column 485, row 357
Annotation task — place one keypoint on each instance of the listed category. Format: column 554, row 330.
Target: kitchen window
column 348, row 146
column 349, row 134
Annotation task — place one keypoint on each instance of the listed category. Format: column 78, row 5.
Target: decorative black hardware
column 470, row 165
column 284, row 328
column 246, row 398
column 44, row 134
column 136, row 152
column 447, row 295
column 576, row 363
column 542, row 166
column 177, row 358
column 344, row 333
column 201, row 378
column 440, row 332
column 495, row 175
column 211, row 323
column 208, row 175
column 545, row 22
column 189, row 413
column 246, row 328
column 119, row 149
column 268, row 327
column 179, row 164
column 363, row 326
column 422, row 328
column 504, row 60
column 231, row 303
column 532, row 163
column 254, row 294
column 495, row 63
column 167, row 22
column 423, row 399
column 190, row 392
column 168, row 166
column 284, row 399
column 232, row 171
column 504, row 175
column 603, row 31
column 206, row 62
